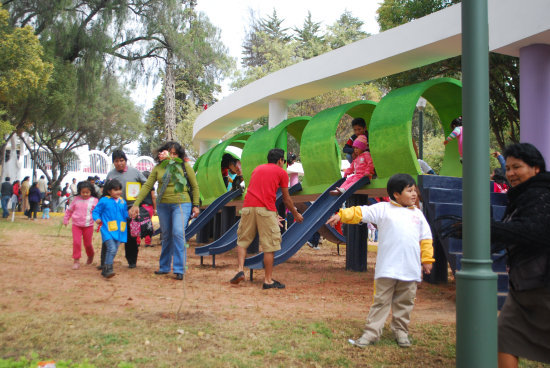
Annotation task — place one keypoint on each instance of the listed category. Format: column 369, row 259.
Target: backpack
column 142, row 225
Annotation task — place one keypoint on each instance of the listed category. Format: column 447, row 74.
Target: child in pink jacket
column 80, row 211
column 361, row 166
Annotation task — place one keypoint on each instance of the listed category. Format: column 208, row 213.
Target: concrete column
column 534, row 71
column 278, row 111
column 205, row 146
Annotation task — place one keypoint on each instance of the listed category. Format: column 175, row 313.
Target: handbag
column 142, row 225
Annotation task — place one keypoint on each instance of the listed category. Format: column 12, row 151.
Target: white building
column 19, row 164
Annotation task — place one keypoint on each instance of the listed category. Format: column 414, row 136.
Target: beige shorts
column 263, row 221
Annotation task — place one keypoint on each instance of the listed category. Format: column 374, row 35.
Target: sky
column 232, row 17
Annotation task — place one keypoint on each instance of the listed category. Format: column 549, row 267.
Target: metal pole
column 421, row 134
column 476, row 315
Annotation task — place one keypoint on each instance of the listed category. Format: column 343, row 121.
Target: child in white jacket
column 404, row 250
column 80, row 211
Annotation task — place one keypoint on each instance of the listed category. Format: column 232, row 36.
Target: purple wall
column 534, row 71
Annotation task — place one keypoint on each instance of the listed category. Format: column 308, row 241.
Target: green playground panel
column 264, row 139
column 209, row 171
column 389, row 123
column 390, row 127
column 319, row 154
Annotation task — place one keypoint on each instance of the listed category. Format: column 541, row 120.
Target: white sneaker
column 362, row 342
column 403, row 341
column 310, row 245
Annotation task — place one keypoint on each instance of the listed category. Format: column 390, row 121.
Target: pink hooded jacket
column 361, row 166
column 81, row 211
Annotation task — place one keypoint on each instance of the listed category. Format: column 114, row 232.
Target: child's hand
column 333, row 220
column 445, row 143
column 133, row 212
column 98, row 221
column 427, row 268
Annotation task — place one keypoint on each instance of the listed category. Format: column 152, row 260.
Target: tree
column 23, row 71
column 310, row 42
column 345, row 30
column 503, row 70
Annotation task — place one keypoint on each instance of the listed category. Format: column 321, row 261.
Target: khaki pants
column 263, row 221
column 397, row 295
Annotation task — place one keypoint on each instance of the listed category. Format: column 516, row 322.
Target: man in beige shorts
column 259, row 215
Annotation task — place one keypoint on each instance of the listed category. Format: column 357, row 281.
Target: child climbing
column 456, row 126
column 80, row 211
column 111, row 213
column 361, row 166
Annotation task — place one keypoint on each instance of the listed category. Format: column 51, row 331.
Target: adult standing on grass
column 25, row 186
column 34, row 200
column 259, row 214
column 524, row 321
column 42, row 186
column 7, row 191
column 175, row 203
column 131, row 180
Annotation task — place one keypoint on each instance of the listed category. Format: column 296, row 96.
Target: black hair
column 118, row 154
column 8, row 178
column 527, row 153
column 359, row 121
column 110, row 185
column 398, row 183
column 228, row 159
column 274, row 155
column 15, row 182
column 85, row 184
column 456, row 122
column 26, row 178
column 168, row 146
column 90, row 178
column 290, row 158
column 499, row 176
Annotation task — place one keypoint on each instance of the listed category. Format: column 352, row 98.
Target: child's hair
column 499, row 176
column 359, row 121
column 456, row 122
column 110, row 185
column 228, row 159
column 85, row 184
column 398, row 183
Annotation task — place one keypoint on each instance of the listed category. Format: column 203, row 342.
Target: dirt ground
column 37, row 275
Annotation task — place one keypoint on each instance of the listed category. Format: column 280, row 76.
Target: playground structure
column 510, row 27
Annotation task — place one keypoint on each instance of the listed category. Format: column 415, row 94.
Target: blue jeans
column 173, row 218
column 5, row 200
column 112, row 247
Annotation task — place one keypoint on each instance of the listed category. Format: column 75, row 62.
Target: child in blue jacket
column 111, row 214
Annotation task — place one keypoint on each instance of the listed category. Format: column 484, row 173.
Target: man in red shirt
column 259, row 214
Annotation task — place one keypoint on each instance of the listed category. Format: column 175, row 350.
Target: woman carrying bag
column 177, row 199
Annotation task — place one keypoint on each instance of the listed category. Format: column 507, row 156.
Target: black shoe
column 132, row 265
column 100, row 267
column 108, row 271
column 237, row 278
column 276, row 285
column 179, row 276
column 161, row 273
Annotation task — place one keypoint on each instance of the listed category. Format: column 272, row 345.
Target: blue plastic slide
column 228, row 240
column 314, row 217
column 209, row 212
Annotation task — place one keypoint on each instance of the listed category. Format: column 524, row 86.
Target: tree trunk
column 170, row 99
